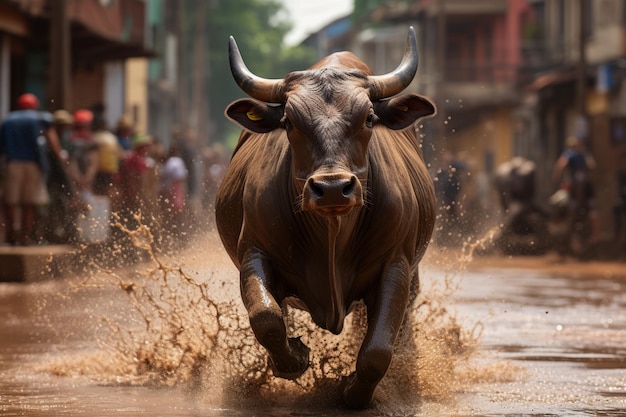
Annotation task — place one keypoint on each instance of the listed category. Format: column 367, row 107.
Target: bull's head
column 329, row 112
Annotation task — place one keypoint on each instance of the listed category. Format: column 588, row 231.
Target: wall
column 87, row 87
column 114, row 94
column 606, row 42
column 136, row 97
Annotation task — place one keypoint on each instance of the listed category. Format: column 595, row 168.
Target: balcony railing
column 535, row 58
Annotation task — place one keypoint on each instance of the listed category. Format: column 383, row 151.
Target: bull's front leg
column 289, row 357
column 385, row 313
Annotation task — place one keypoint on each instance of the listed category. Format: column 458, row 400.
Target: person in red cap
column 83, row 153
column 28, row 101
column 24, row 136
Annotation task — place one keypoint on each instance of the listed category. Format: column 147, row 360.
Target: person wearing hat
column 572, row 173
column 58, row 217
column 136, row 192
column 133, row 171
column 124, row 133
column 83, row 153
column 109, row 155
column 62, row 122
column 172, row 174
column 24, row 136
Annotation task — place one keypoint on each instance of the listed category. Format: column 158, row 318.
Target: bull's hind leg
column 289, row 357
column 406, row 336
column 385, row 314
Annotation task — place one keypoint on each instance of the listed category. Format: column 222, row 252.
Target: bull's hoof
column 357, row 395
column 294, row 365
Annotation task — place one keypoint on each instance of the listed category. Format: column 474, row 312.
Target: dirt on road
column 551, row 264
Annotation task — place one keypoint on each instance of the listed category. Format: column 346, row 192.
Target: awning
column 89, row 45
column 89, row 40
column 551, row 78
column 12, row 21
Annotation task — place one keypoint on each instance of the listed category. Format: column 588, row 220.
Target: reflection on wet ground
column 567, row 331
column 549, row 345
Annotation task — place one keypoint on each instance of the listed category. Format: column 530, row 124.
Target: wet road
column 153, row 340
column 566, row 331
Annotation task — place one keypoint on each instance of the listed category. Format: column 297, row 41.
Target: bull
column 327, row 202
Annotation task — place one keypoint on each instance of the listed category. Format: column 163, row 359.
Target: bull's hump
column 344, row 60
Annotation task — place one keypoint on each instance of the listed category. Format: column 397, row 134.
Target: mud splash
column 173, row 327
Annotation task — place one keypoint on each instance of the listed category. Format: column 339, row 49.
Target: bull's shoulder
column 258, row 150
column 250, row 190
column 397, row 156
column 259, row 174
column 401, row 189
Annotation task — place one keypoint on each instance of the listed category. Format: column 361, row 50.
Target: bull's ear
column 254, row 115
column 401, row 111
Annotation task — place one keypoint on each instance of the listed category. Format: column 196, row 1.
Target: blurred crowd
column 566, row 222
column 67, row 178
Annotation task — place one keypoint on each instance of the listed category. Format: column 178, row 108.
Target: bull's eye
column 370, row 120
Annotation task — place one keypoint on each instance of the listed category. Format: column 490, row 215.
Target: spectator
column 62, row 122
column 572, row 172
column 449, row 182
column 189, row 154
column 448, row 185
column 214, row 167
column 136, row 194
column 24, row 135
column 109, row 154
column 58, row 226
column 133, row 175
column 83, row 154
column 124, row 132
column 172, row 180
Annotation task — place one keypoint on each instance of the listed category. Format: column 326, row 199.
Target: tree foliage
column 363, row 7
column 259, row 27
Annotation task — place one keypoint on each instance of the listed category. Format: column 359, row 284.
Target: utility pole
column 60, row 56
column 198, row 92
column 441, row 72
column 582, row 128
column 182, row 96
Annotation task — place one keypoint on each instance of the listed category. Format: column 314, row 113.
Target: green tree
column 363, row 7
column 259, row 32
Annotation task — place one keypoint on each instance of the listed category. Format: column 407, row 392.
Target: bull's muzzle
column 332, row 194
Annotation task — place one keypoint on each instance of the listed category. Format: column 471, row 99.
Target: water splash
column 171, row 328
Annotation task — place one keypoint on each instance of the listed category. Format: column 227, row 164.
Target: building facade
column 514, row 78
column 71, row 53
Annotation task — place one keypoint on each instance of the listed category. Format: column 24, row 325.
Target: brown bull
column 327, row 202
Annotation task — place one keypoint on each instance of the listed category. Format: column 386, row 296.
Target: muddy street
column 495, row 337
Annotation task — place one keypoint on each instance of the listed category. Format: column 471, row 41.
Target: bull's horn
column 382, row 86
column 263, row 89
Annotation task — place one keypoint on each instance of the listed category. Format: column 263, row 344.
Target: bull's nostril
column 316, row 190
column 349, row 189
column 332, row 191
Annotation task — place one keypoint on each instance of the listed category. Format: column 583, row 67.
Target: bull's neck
column 335, row 230
column 334, row 284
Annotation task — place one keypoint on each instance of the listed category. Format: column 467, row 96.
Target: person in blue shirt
column 572, row 172
column 124, row 133
column 24, row 135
